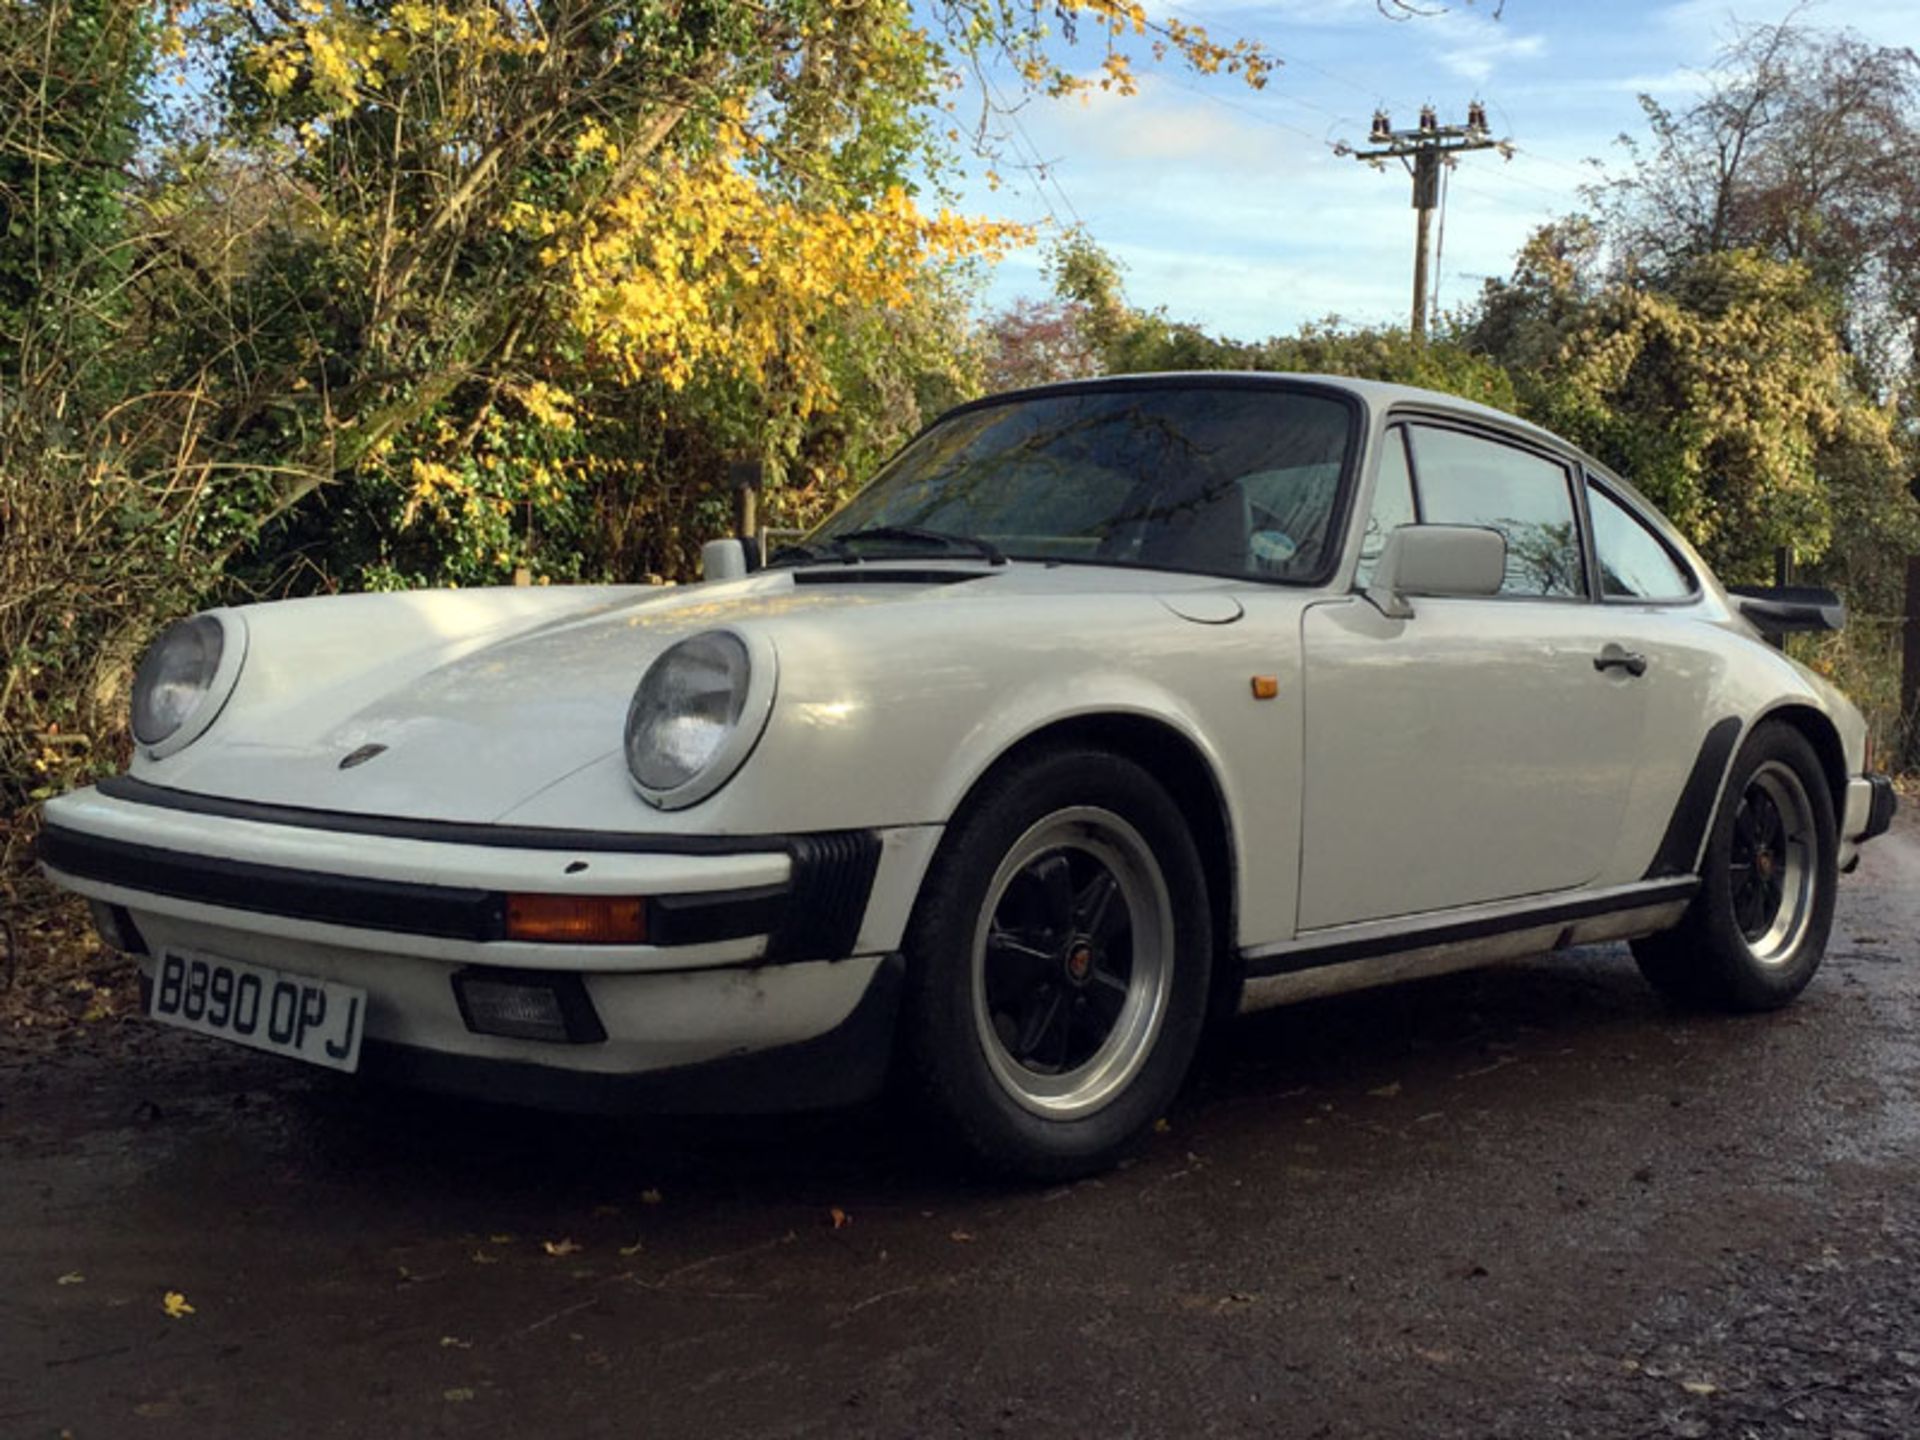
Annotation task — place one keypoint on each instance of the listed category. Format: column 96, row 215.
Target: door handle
column 1614, row 657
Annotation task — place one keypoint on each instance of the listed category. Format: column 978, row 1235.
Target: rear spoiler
column 1780, row 609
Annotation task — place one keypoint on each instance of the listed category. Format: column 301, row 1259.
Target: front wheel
column 1757, row 929
column 1058, row 964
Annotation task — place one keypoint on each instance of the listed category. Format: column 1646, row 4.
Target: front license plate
column 313, row 1020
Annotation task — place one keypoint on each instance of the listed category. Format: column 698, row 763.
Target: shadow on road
column 1257, row 1070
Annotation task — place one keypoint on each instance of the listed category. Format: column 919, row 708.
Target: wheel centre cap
column 1079, row 962
column 1763, row 862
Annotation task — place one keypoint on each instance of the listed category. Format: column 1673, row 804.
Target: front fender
column 887, row 720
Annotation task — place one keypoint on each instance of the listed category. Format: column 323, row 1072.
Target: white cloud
column 1701, row 27
column 1229, row 209
column 1473, row 46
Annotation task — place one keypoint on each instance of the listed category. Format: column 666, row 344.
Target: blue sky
column 1227, row 207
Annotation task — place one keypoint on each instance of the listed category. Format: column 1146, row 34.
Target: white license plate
column 313, row 1020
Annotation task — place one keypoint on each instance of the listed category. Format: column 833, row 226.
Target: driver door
column 1473, row 752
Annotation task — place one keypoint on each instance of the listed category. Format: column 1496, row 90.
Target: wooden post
column 1910, row 666
column 1782, row 575
column 1426, row 195
column 746, row 475
column 747, row 513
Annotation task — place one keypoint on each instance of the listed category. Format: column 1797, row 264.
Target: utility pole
column 1423, row 151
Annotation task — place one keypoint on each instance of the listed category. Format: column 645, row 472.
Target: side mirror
column 723, row 560
column 1437, row 560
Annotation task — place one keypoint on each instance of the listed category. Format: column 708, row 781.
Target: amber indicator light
column 1265, row 687
column 577, row 919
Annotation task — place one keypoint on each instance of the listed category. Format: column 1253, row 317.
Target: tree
column 1728, row 397
column 70, row 77
column 90, row 541
column 513, row 234
column 1807, row 150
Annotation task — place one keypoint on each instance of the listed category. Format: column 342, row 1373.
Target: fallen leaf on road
column 560, row 1247
column 650, row 1197
column 1386, row 1092
column 961, row 1237
column 1162, row 1126
column 480, row 1257
column 459, row 1392
column 839, row 1217
column 176, row 1305
column 1700, row 1387
column 450, row 1342
column 72, row 1277
column 629, row 1251
column 500, row 1239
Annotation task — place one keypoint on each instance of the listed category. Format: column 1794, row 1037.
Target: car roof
column 1378, row 396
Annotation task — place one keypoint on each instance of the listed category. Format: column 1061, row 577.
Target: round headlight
column 699, row 709
column 183, row 680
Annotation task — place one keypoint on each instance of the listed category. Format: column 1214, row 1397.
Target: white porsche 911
column 1106, row 709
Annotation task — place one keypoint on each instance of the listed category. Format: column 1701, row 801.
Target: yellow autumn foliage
column 695, row 265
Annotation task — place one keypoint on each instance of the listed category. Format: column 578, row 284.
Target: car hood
column 477, row 701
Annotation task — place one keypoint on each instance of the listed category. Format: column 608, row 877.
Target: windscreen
column 1221, row 480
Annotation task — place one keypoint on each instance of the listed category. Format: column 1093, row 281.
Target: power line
column 1043, row 169
column 1028, row 158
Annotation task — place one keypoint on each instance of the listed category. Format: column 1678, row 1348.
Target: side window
column 1635, row 564
column 1467, row 480
column 1392, row 503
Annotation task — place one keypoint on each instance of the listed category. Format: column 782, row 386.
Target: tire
column 1757, row 930
column 1058, row 965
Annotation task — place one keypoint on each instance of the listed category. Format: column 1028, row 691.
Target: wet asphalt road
column 1520, row 1203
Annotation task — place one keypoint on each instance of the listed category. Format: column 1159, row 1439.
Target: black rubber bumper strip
column 1881, row 811
column 401, row 907
column 815, row 916
column 447, row 832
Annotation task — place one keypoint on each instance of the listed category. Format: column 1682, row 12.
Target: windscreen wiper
column 985, row 549
column 806, row 553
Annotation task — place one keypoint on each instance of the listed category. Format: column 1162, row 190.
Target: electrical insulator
column 1382, row 126
column 1476, row 116
column 1428, row 120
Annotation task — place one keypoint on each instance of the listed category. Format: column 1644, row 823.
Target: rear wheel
column 1058, row 964
column 1757, row 930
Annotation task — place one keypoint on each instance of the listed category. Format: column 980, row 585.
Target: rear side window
column 1468, row 480
column 1635, row 564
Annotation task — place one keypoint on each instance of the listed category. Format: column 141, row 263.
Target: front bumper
column 839, row 1066
column 764, row 955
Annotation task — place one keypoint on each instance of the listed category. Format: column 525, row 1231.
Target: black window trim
column 1695, row 590
column 1395, row 431
column 1334, row 553
column 1572, row 469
